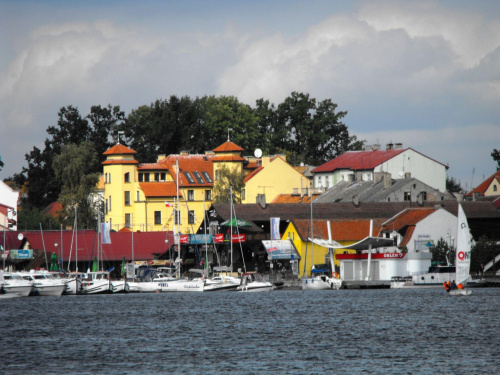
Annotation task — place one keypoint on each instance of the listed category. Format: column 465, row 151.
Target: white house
column 398, row 161
column 8, row 207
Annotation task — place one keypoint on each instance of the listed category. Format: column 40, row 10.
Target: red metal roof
column 359, row 160
column 146, row 244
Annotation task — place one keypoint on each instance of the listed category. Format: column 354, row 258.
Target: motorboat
column 15, row 284
column 95, row 282
column 220, row 279
column 254, row 282
column 44, row 282
column 73, row 281
column 119, row 286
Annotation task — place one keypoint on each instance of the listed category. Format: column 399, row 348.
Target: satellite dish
column 20, row 236
column 257, row 153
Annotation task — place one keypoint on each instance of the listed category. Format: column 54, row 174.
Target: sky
column 422, row 73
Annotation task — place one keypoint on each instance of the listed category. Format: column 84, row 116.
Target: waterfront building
column 396, row 160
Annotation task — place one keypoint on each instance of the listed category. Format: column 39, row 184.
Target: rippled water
column 293, row 332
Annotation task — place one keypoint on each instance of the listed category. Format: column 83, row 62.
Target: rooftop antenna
column 120, row 132
column 229, row 130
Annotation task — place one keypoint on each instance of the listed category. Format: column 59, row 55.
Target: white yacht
column 45, row 284
column 254, row 282
column 15, row 284
column 95, row 282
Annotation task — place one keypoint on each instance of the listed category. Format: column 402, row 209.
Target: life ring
column 335, row 275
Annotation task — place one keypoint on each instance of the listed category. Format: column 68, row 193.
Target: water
column 282, row 332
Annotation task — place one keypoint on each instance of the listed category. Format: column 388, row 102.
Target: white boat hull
column 22, row 290
column 460, row 292
column 255, row 287
column 95, row 287
column 182, row 286
column 119, row 286
column 143, row 287
column 321, row 283
column 73, row 286
column 50, row 290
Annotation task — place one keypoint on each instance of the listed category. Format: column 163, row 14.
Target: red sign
column 374, row 256
column 184, row 238
column 219, row 237
column 239, row 238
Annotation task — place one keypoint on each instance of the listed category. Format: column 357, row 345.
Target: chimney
column 368, row 148
column 398, row 146
column 350, row 178
column 376, row 146
column 389, row 146
column 184, row 153
column 387, row 180
column 407, row 175
column 261, row 199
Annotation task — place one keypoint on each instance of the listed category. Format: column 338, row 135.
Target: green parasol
column 236, row 222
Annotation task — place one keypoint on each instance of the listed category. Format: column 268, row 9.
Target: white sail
column 463, row 251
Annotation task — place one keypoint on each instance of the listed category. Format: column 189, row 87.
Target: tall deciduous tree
column 75, row 167
column 228, row 178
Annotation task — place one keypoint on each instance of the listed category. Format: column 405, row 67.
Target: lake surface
column 421, row 331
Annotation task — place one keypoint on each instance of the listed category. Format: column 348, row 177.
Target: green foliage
column 75, row 167
column 443, row 253
column 31, row 218
column 483, row 252
column 453, row 185
column 227, row 178
column 496, row 156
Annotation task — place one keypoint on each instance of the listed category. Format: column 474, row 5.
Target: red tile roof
column 294, row 198
column 483, row 186
column 53, row 209
column 228, row 158
column 342, row 230
column 119, row 150
column 409, row 217
column 159, row 189
column 152, row 166
column 108, row 162
column 228, row 146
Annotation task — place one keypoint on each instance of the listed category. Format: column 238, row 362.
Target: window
column 177, row 215
column 217, row 174
column 243, row 194
column 105, row 178
column 126, row 177
column 109, row 178
column 157, row 217
column 190, row 195
column 198, row 178
column 107, row 207
column 110, row 202
column 127, row 220
column 424, row 195
column 141, row 177
column 189, row 177
column 157, row 177
column 208, row 195
column 163, row 176
column 127, row 198
column 494, row 188
column 407, row 196
column 207, row 177
column 146, row 177
column 138, row 196
column 191, row 217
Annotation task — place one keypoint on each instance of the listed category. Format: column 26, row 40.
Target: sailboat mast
column 231, row 226
column 312, row 237
column 76, row 239
column 177, row 219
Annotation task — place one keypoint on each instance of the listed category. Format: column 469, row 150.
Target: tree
column 1, row 164
column 310, row 132
column 105, row 121
column 452, row 185
column 227, row 178
column 496, row 156
column 75, row 167
column 443, row 253
column 483, row 252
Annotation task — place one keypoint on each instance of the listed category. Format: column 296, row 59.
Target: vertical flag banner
column 106, row 238
column 275, row 228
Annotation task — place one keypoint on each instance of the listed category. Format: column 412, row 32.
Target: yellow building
column 272, row 177
column 144, row 196
column 345, row 232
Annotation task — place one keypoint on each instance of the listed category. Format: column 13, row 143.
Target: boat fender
column 460, row 286
column 335, row 274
